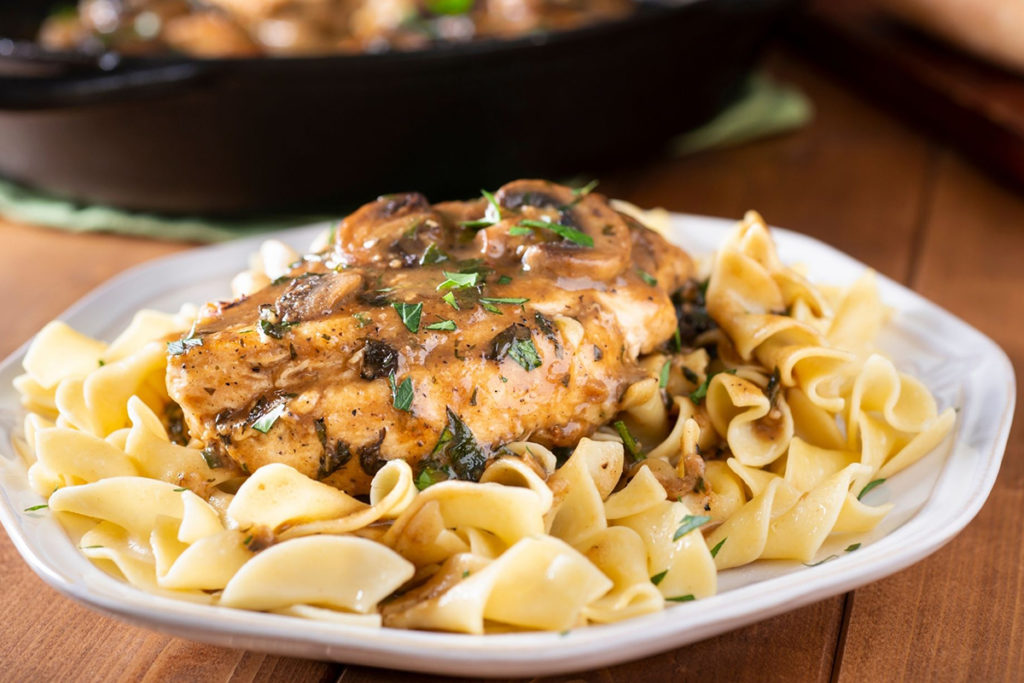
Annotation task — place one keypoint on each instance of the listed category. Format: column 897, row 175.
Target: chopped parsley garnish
column 180, row 489
column 491, row 308
column 100, row 362
column 401, row 394
column 688, row 524
column 504, row 280
column 628, row 441
column 516, row 300
column 410, row 315
column 815, row 564
column 563, row 231
column 525, row 353
column 516, row 342
column 518, row 230
column 212, row 459
column 176, row 348
column 718, row 546
column 689, row 597
column 449, row 299
column 458, row 280
column 91, row 547
column 362, row 319
column 581, row 192
column 36, row 507
column 702, row 391
column 432, row 254
column 493, row 204
column 465, row 574
column 267, row 420
column 647, row 277
column 457, row 449
column 445, row 325
column 852, row 547
column 657, row 578
column 663, row 375
column 870, row 485
column 248, row 540
column 275, row 330
column 677, row 340
column 430, row 476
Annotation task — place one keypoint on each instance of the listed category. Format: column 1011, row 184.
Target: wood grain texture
column 959, row 614
column 855, row 178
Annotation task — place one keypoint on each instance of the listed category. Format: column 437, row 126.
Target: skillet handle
column 96, row 86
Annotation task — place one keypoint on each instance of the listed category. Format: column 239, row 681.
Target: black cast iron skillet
column 237, row 136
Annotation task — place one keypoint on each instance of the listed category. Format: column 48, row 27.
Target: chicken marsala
column 435, row 334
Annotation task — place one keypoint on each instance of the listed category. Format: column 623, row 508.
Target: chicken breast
column 433, row 334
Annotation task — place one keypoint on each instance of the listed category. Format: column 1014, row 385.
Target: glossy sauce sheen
column 334, row 352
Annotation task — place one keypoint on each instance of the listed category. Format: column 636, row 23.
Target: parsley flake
column 647, row 277
column 410, row 315
column 176, row 348
column 663, row 375
column 689, row 597
column 267, row 420
column 492, row 204
column 212, row 459
column 516, row 342
column 458, row 280
column 504, row 280
column 430, row 476
column 718, row 546
column 362, row 319
column 445, row 325
column 516, row 300
column 628, row 441
column 870, row 485
column 688, row 524
column 401, row 394
column 525, row 353
column 702, row 391
column 36, row 507
column 815, row 564
column 563, row 231
column 852, row 547
column 449, row 299
column 432, row 254
column 518, row 230
column 657, row 578
column 581, row 192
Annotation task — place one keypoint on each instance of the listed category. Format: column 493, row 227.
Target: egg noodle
column 783, row 407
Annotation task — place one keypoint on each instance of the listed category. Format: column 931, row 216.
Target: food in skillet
column 241, row 28
column 526, row 411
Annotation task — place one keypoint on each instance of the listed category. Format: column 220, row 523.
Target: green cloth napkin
column 764, row 108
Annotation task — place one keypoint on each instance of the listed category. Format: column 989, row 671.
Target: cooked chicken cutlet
column 434, row 334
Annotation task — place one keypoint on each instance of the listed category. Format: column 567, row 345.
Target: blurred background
column 250, row 114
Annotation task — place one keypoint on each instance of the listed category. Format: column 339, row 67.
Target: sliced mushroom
column 395, row 230
column 590, row 214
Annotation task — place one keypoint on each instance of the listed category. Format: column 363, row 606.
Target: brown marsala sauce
column 434, row 334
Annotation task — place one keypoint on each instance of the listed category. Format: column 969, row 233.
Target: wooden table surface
column 856, row 178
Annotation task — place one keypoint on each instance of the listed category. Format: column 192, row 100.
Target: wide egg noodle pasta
column 343, row 572
column 798, row 414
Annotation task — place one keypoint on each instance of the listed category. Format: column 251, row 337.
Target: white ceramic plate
column 934, row 499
